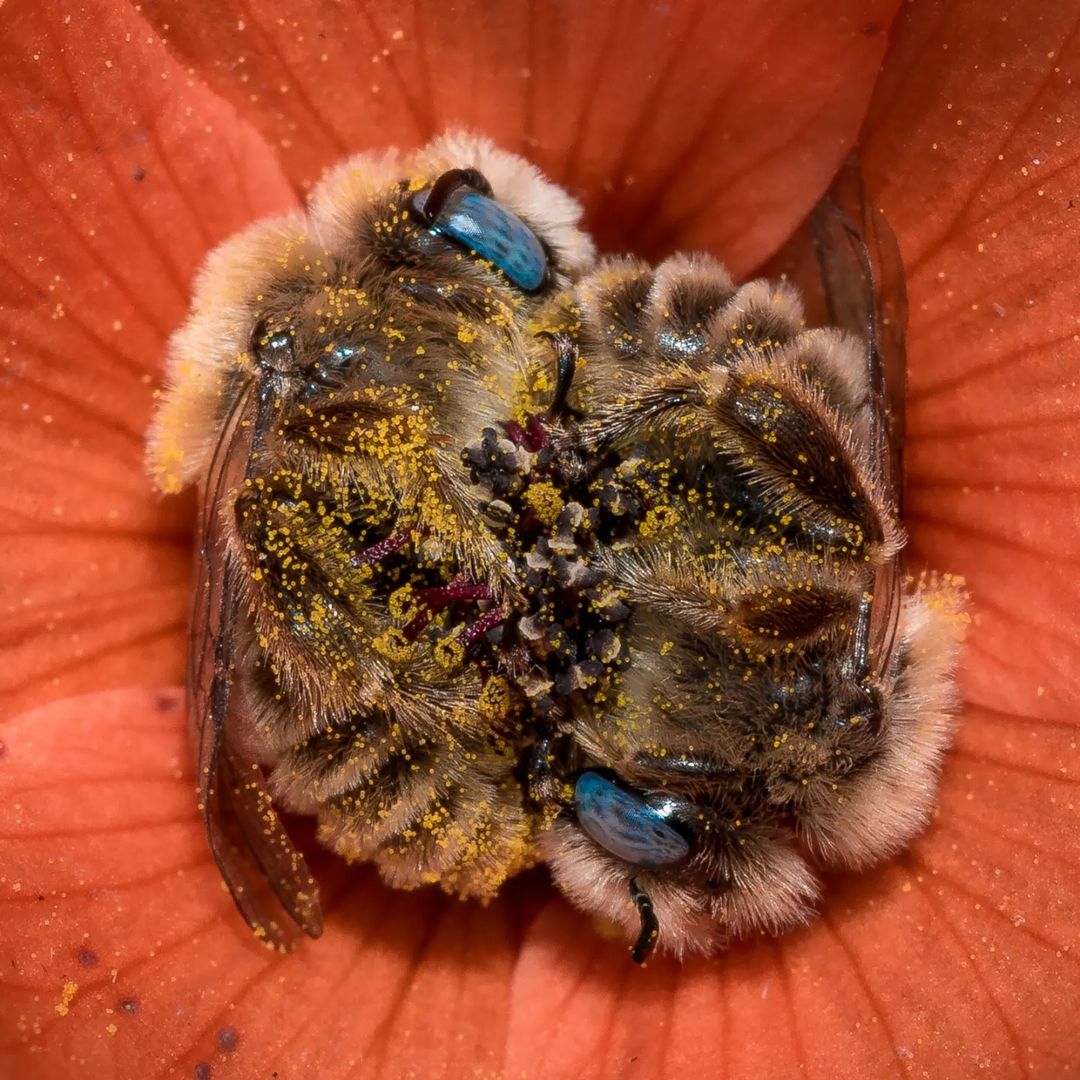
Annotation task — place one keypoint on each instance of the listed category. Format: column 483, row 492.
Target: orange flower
column 133, row 139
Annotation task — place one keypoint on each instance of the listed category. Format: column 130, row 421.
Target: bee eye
column 624, row 824
column 272, row 347
column 454, row 207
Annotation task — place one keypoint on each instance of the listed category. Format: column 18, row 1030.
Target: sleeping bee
column 507, row 555
column 348, row 587
column 787, row 696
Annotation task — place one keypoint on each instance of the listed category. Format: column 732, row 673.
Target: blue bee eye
column 485, row 226
column 625, row 825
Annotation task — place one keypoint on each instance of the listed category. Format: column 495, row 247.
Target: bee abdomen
column 423, row 810
column 729, row 383
column 469, row 842
column 443, row 821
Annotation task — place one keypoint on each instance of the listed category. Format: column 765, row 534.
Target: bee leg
column 566, row 356
column 860, row 661
column 543, row 785
column 687, row 768
column 650, row 925
column 795, row 449
column 646, row 405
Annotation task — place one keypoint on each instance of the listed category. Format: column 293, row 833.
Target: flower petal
column 118, row 173
column 696, row 125
column 123, row 955
column 972, row 160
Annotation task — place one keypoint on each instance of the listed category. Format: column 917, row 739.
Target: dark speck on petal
column 227, row 1038
column 168, row 700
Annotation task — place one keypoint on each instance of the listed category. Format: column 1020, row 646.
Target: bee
column 349, row 588
column 507, row 554
column 788, row 695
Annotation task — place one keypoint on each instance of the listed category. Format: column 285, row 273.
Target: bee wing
column 889, row 290
column 863, row 280
column 249, row 844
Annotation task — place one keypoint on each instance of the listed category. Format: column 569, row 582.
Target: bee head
column 274, row 348
column 641, row 829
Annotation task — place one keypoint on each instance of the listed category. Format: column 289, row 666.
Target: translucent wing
column 863, row 280
column 252, row 850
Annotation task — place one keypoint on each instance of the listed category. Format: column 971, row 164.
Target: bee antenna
column 650, row 925
column 445, row 186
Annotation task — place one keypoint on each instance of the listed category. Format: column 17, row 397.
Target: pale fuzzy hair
column 777, row 887
column 775, row 892
column 342, row 194
column 554, row 214
column 212, row 344
column 879, row 812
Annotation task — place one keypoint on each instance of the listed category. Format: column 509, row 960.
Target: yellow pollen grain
column 67, row 995
column 545, row 500
column 402, row 604
column 393, row 645
column 449, row 653
column 494, row 700
column 657, row 521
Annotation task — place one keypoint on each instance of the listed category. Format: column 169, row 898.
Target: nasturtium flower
column 135, row 137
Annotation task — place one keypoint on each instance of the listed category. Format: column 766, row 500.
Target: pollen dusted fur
column 605, row 573
column 333, row 368
column 748, row 709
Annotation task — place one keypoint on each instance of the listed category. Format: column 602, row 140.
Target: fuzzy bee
column 507, row 554
column 348, row 587
column 787, row 697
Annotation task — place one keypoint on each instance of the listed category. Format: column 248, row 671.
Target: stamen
column 515, row 432
column 378, row 551
column 439, row 598
column 537, row 436
column 472, row 633
column 534, row 436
